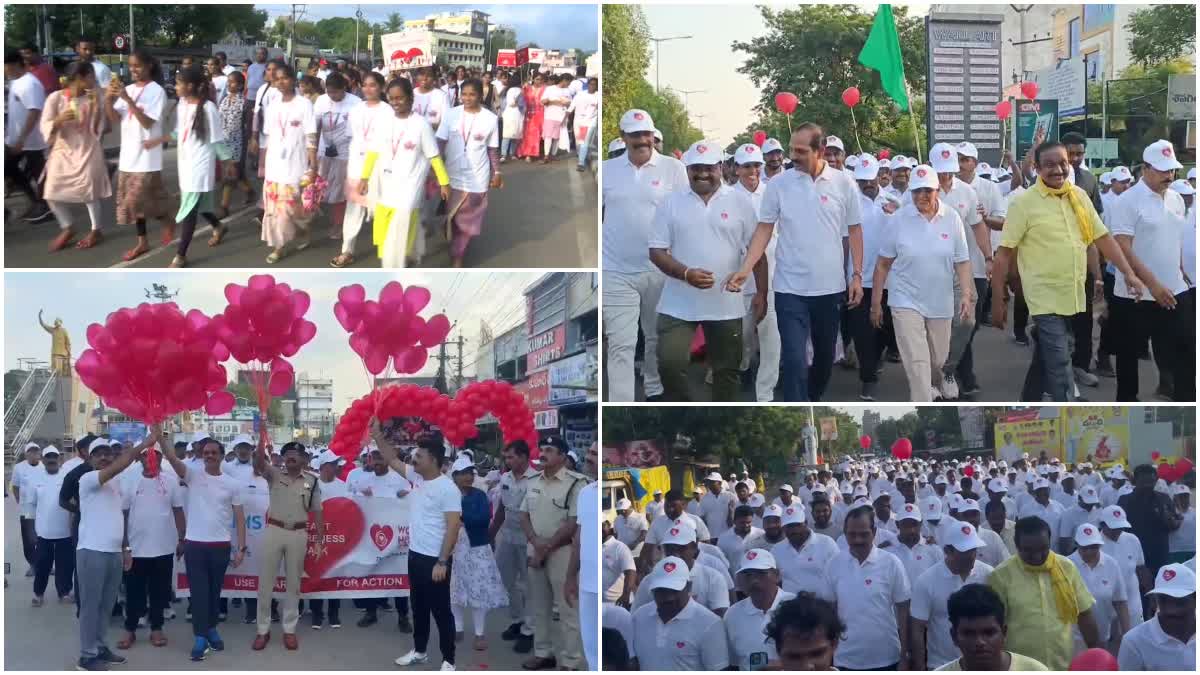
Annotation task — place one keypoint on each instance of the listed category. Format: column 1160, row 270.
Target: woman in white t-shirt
column 291, row 129
column 332, row 111
column 512, row 116
column 404, row 150
column 556, row 99
column 138, row 110
column 365, row 123
column 470, row 139
column 586, row 106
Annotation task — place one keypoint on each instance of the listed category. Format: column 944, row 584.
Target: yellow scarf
column 1081, row 214
column 1064, row 592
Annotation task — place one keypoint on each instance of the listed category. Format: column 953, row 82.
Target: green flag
column 882, row 52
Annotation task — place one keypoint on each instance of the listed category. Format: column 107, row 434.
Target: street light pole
column 657, row 47
column 685, row 93
column 357, row 21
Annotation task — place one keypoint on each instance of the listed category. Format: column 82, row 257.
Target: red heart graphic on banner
column 344, row 523
column 381, row 536
column 669, row 567
column 1168, row 575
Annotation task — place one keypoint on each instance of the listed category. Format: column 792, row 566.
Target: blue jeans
column 506, row 147
column 1050, row 369
column 584, row 144
column 801, row 317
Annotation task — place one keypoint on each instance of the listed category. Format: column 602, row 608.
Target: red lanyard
column 283, row 124
column 187, row 129
column 466, row 131
column 396, row 144
column 370, row 123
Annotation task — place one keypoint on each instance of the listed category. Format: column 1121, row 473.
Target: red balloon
column 760, row 137
column 1155, row 455
column 786, row 102
column 864, row 441
column 902, row 448
column 1003, row 109
column 436, row 330
column 968, row 470
column 1030, row 90
column 885, row 153
column 220, row 403
column 1094, row 659
column 1166, row 472
column 851, row 97
column 1183, row 465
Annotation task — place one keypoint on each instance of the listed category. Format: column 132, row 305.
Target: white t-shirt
column 629, row 528
column 619, row 619
column 631, row 196
column 26, row 96
column 50, row 521
column 1107, row 585
column 244, row 473
column 1051, row 513
column 587, row 109
column 751, row 286
column 210, row 501
column 659, row 527
column 266, row 96
column 1184, row 539
column 930, row 592
column 101, row 525
column 693, row 640
column 103, row 73
column 745, row 626
column 812, row 217
column 715, row 509
column 964, row 200
column 712, row 236
column 618, row 560
column 150, row 100
column 25, row 478
column 875, row 226
column 555, row 112
column 365, row 123
column 710, row 587
column 334, row 488
column 426, row 514
column 925, row 252
column 150, row 501
column 1189, row 246
column 917, row 559
column 866, row 595
column 468, row 137
column 1127, row 551
column 1156, row 224
column 389, row 485
column 995, row 206
column 220, row 84
column 333, row 118
column 431, row 106
column 734, row 546
column 287, row 126
column 1148, row 647
column 227, row 69
column 588, row 519
column 803, row 570
column 405, row 148
column 197, row 160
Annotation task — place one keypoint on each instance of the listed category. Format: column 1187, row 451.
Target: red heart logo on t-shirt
column 724, row 216
column 655, row 183
column 674, row 531
column 868, row 582
column 681, row 645
column 1168, row 575
column 479, row 137
column 381, row 536
column 945, row 235
column 409, row 145
column 669, row 567
column 824, row 199
column 344, row 525
column 790, row 511
column 1104, row 581
column 295, row 123
column 918, row 557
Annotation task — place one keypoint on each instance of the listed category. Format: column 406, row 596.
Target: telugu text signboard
column 963, row 86
column 1066, row 83
column 506, row 58
column 1181, row 96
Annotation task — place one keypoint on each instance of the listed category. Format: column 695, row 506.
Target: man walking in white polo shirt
column 933, row 587
column 747, row 619
column 675, row 632
column 758, row 333
column 635, row 183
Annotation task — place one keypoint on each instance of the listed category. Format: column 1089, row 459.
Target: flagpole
column 913, row 116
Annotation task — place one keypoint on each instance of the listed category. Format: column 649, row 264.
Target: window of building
column 1073, row 37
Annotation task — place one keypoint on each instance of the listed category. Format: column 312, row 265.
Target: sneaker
column 1104, row 367
column 29, row 571
column 512, row 632
column 335, row 623
column 949, row 388
column 93, row 663
column 970, row 389
column 188, row 614
column 222, row 616
column 214, row 639
column 446, row 665
column 37, row 601
column 106, row 655
column 1164, row 393
column 236, row 602
column 200, row 649
column 893, row 356
column 1022, row 340
column 1085, row 378
column 412, row 658
column 168, row 613
column 38, row 214
column 249, row 619
column 868, row 391
column 851, row 360
column 934, row 394
column 316, row 624
column 404, row 624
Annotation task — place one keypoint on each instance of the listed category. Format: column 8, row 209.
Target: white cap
column 885, row 163
column 1183, row 187
column 714, row 477
column 670, row 572
column 932, row 508
column 462, row 463
column 940, row 480
column 238, row 440
column 757, row 559
column 757, row 500
column 100, row 443
column 1041, row 484
column 965, row 505
column 1161, row 155
column 1122, row 174
column 868, row 167
column 680, row 534
column 1030, row 477
column 819, row 488
column 1117, row 473
column 329, row 456
column 51, row 450
column 658, row 135
column 494, row 475
column 623, row 504
column 860, row 491
column 1114, row 517
column 615, row 145
column 786, row 487
column 30, row 446
column 944, row 158
column 835, row 142
column 909, row 512
column 1161, row 486
column 1191, row 173
column 747, row 154
column 954, row 502
column 794, row 514
column 1106, row 178
column 773, row 511
column 984, row 169
column 997, row 485
column 1089, row 495
column 1043, row 469
column 636, row 120
column 1088, row 534
column 771, row 145
column 852, row 161
column 923, row 177
column 961, row 535
column 1176, row 489
column 899, row 161
column 1175, row 580
column 880, row 493
column 656, row 492
column 967, row 149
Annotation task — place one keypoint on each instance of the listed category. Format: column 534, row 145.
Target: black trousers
column 206, row 565
column 148, row 590
column 1082, row 327
column 430, row 598
column 29, row 540
column 1020, row 314
column 869, row 341
column 59, row 554
column 1107, row 341
column 188, row 228
column 965, row 372
column 318, row 611
column 23, row 169
column 1174, row 343
column 372, row 606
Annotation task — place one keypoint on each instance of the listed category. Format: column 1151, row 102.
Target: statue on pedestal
column 60, row 346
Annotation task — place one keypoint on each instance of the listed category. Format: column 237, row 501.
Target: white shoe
column 934, row 394
column 1084, row 377
column 412, row 658
column 447, row 666
column 949, row 388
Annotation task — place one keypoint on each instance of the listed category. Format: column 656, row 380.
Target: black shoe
column 106, row 655
column 868, row 391
column 274, row 616
column 38, row 213
column 94, row 663
column 1164, row 392
column 657, row 398
column 969, row 389
column 237, row 602
column 368, row 620
column 249, row 618
column 893, row 356
column 118, row 610
column 512, row 632
column 1104, row 367
column 1022, row 340
column 404, row 625
column 524, row 644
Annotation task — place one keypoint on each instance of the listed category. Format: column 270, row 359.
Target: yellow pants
column 557, row 639
column 291, row 545
column 382, row 234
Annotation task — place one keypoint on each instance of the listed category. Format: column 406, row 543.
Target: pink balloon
column 412, row 360
column 262, row 281
column 376, row 359
column 416, row 298
column 233, row 293
column 359, row 343
column 343, row 317
column 436, row 330
column 354, row 294
column 304, row 331
column 220, row 352
column 219, row 403
column 392, row 296
column 300, row 303
column 94, row 331
column 88, row 363
column 281, row 382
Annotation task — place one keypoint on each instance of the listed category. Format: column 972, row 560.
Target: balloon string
column 855, row 121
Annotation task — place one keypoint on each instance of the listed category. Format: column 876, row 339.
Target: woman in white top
column 403, row 152
column 586, row 106
column 366, row 121
column 924, row 248
column 512, row 117
column 470, row 142
column 1101, row 573
column 291, row 129
column 556, row 100
column 332, row 110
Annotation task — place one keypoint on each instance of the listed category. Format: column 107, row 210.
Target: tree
column 668, row 113
column 244, row 390
column 1162, row 33
column 394, row 23
column 812, row 51
column 154, row 25
column 1136, row 107
column 626, row 58
column 338, row 34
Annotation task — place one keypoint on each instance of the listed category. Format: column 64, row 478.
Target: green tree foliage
column 668, row 113
column 1161, row 33
column 626, row 57
column 1137, row 107
column 812, row 51
column 167, row 25
column 338, row 34
column 394, row 23
column 243, row 390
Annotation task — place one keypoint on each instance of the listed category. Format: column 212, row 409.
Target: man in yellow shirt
column 1045, row 597
column 1053, row 225
column 978, row 630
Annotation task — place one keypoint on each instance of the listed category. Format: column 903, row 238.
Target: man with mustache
column 635, row 183
column 697, row 240
column 772, row 152
column 1051, row 225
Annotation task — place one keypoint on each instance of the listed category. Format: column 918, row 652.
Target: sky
column 885, row 412
column 84, row 298
column 706, row 62
column 551, row 26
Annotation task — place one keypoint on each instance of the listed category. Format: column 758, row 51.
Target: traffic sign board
column 119, row 41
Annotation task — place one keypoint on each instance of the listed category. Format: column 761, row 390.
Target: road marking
column 121, row 264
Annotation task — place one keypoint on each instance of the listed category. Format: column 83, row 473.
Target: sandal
column 218, row 235
column 127, row 641
column 94, row 237
column 481, row 644
column 62, row 241
column 158, row 639
column 178, row 262
column 135, row 252
column 168, row 235
column 274, row 257
column 303, row 244
column 342, row 260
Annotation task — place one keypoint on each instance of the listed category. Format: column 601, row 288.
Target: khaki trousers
column 923, row 345
column 290, row 545
column 545, row 594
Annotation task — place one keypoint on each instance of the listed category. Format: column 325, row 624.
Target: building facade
column 314, row 407
column 470, row 22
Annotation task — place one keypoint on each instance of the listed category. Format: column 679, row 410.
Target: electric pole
column 459, row 382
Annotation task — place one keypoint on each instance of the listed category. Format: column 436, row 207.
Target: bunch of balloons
column 390, row 328
column 902, row 448
column 507, row 405
column 1174, row 472
column 154, row 361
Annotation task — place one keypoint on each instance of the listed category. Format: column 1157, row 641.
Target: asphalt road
column 543, row 217
column 1000, row 365
column 47, row 637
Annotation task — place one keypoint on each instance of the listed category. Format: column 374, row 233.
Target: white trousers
column 764, row 337
column 630, row 299
column 589, row 627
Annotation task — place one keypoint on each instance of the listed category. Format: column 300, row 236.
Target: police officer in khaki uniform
column 548, row 520
column 294, row 494
column 511, row 543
